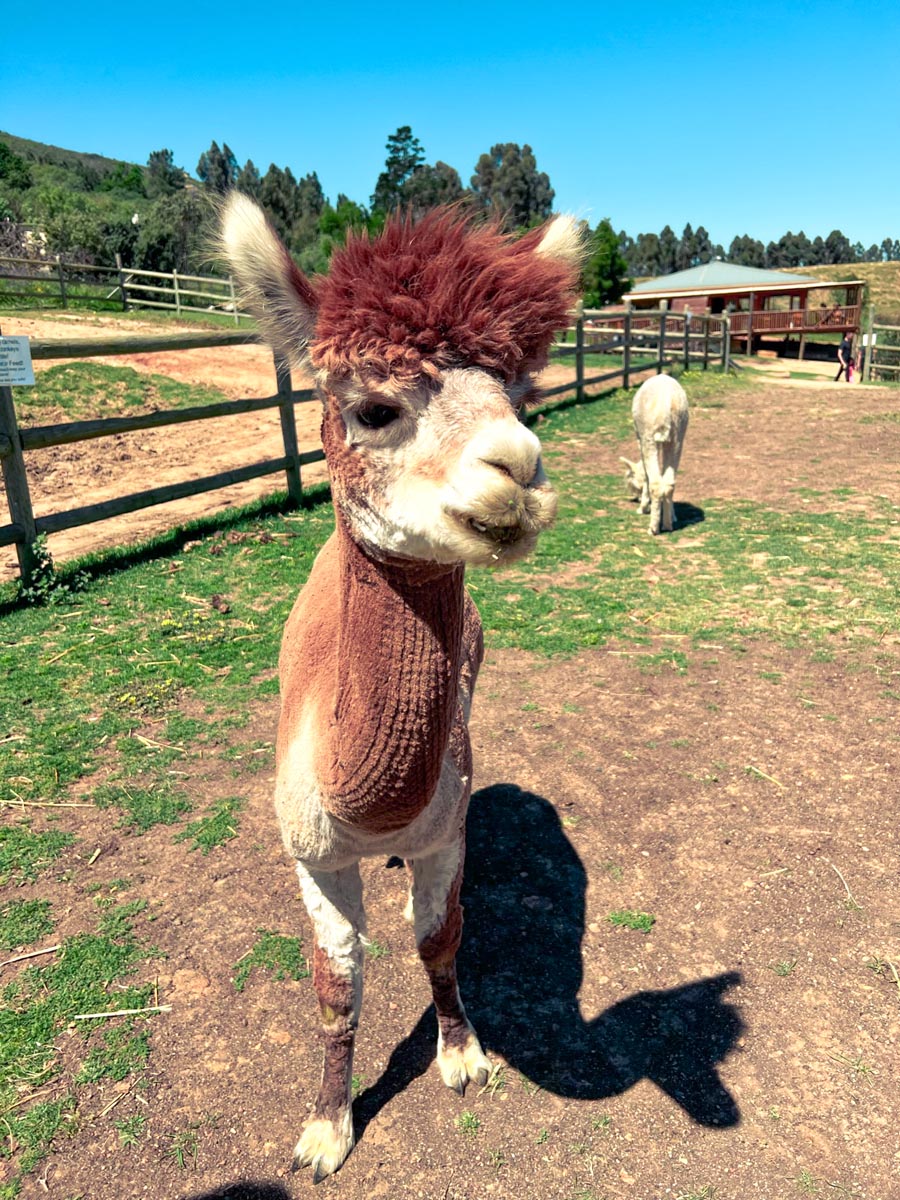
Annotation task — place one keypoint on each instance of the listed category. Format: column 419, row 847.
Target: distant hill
column 882, row 284
column 40, row 152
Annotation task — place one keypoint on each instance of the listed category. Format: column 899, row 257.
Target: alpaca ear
column 272, row 288
column 564, row 239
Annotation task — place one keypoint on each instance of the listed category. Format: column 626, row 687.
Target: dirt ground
column 747, row 1046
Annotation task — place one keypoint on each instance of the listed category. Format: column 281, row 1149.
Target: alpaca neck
column 396, row 693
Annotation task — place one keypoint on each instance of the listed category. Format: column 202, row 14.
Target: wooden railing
column 837, row 319
column 24, row 527
column 118, row 287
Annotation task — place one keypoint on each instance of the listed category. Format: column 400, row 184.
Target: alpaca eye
column 377, row 416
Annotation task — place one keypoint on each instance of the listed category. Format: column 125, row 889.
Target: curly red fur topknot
column 424, row 297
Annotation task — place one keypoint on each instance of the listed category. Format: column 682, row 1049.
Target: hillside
column 882, row 284
column 40, row 152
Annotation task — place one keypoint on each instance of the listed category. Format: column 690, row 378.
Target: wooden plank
column 15, row 482
column 39, row 437
column 91, row 513
column 10, row 535
column 50, row 348
column 288, row 427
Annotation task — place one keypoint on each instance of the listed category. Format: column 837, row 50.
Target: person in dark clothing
column 845, row 358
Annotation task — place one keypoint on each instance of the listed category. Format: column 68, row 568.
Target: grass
column 625, row 918
column 282, row 956
column 468, row 1123
column 114, row 695
column 82, row 390
column 23, row 922
column 92, row 972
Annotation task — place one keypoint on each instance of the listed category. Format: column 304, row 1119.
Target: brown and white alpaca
column 424, row 341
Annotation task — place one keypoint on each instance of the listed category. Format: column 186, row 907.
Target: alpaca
column 660, row 414
column 424, row 342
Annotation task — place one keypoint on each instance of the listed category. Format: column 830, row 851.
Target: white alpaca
column 660, row 414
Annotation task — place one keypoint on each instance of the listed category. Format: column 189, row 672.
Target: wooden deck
column 841, row 318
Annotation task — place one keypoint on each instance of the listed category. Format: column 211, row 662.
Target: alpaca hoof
column 460, row 1065
column 324, row 1146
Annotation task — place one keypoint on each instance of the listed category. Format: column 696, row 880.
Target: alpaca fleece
column 441, row 293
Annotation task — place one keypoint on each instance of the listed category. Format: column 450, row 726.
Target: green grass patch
column 91, row 973
column 282, row 956
column 83, row 390
column 214, row 829
column 23, row 854
column 142, row 808
column 625, row 918
column 23, row 922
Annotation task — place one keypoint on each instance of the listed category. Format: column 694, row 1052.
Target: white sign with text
column 15, row 362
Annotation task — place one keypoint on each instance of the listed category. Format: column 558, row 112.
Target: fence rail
column 121, row 287
column 881, row 353
column 637, row 346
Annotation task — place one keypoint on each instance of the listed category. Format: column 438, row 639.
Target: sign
column 866, row 338
column 15, row 362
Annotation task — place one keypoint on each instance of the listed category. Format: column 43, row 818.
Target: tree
column 14, row 170
column 747, row 252
column 704, row 250
column 685, row 255
column 171, row 235
column 163, row 177
column 218, row 169
column 887, row 250
column 278, row 196
column 838, row 248
column 405, row 155
column 124, row 177
column 605, row 271
column 507, row 180
column 429, row 186
column 248, row 180
column 646, row 255
column 668, row 251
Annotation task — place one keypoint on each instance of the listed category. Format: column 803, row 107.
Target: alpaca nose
column 518, row 456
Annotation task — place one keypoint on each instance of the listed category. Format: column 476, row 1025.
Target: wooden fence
column 25, row 528
column 880, row 349
column 70, row 285
column 639, row 345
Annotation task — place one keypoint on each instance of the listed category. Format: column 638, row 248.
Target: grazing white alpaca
column 424, row 342
column 660, row 413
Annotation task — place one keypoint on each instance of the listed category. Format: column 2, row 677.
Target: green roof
column 720, row 275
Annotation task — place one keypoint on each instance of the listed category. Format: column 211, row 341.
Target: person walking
column 845, row 358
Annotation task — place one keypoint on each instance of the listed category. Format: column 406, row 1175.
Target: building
column 771, row 305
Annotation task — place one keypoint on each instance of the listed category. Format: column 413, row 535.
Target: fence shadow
column 521, row 969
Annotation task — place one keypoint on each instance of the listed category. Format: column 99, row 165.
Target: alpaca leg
column 437, row 914
column 334, row 902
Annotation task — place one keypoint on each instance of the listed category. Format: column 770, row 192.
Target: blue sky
column 751, row 118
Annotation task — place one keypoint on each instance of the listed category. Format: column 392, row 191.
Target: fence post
column 706, row 321
column 726, row 342
column 579, row 352
column 15, row 481
column 869, row 348
column 687, row 340
column 288, row 427
column 62, row 282
column 661, row 358
column 626, row 349
column 122, row 294
column 234, row 309
column 177, row 296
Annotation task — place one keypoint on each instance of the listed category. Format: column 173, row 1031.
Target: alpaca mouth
column 500, row 535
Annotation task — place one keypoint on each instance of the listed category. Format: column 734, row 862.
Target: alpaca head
column 424, row 342
column 635, row 477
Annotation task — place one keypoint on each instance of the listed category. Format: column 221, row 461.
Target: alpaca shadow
column 520, row 970
column 245, row 1190
column 687, row 514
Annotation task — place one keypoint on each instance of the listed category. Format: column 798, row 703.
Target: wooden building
column 760, row 304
